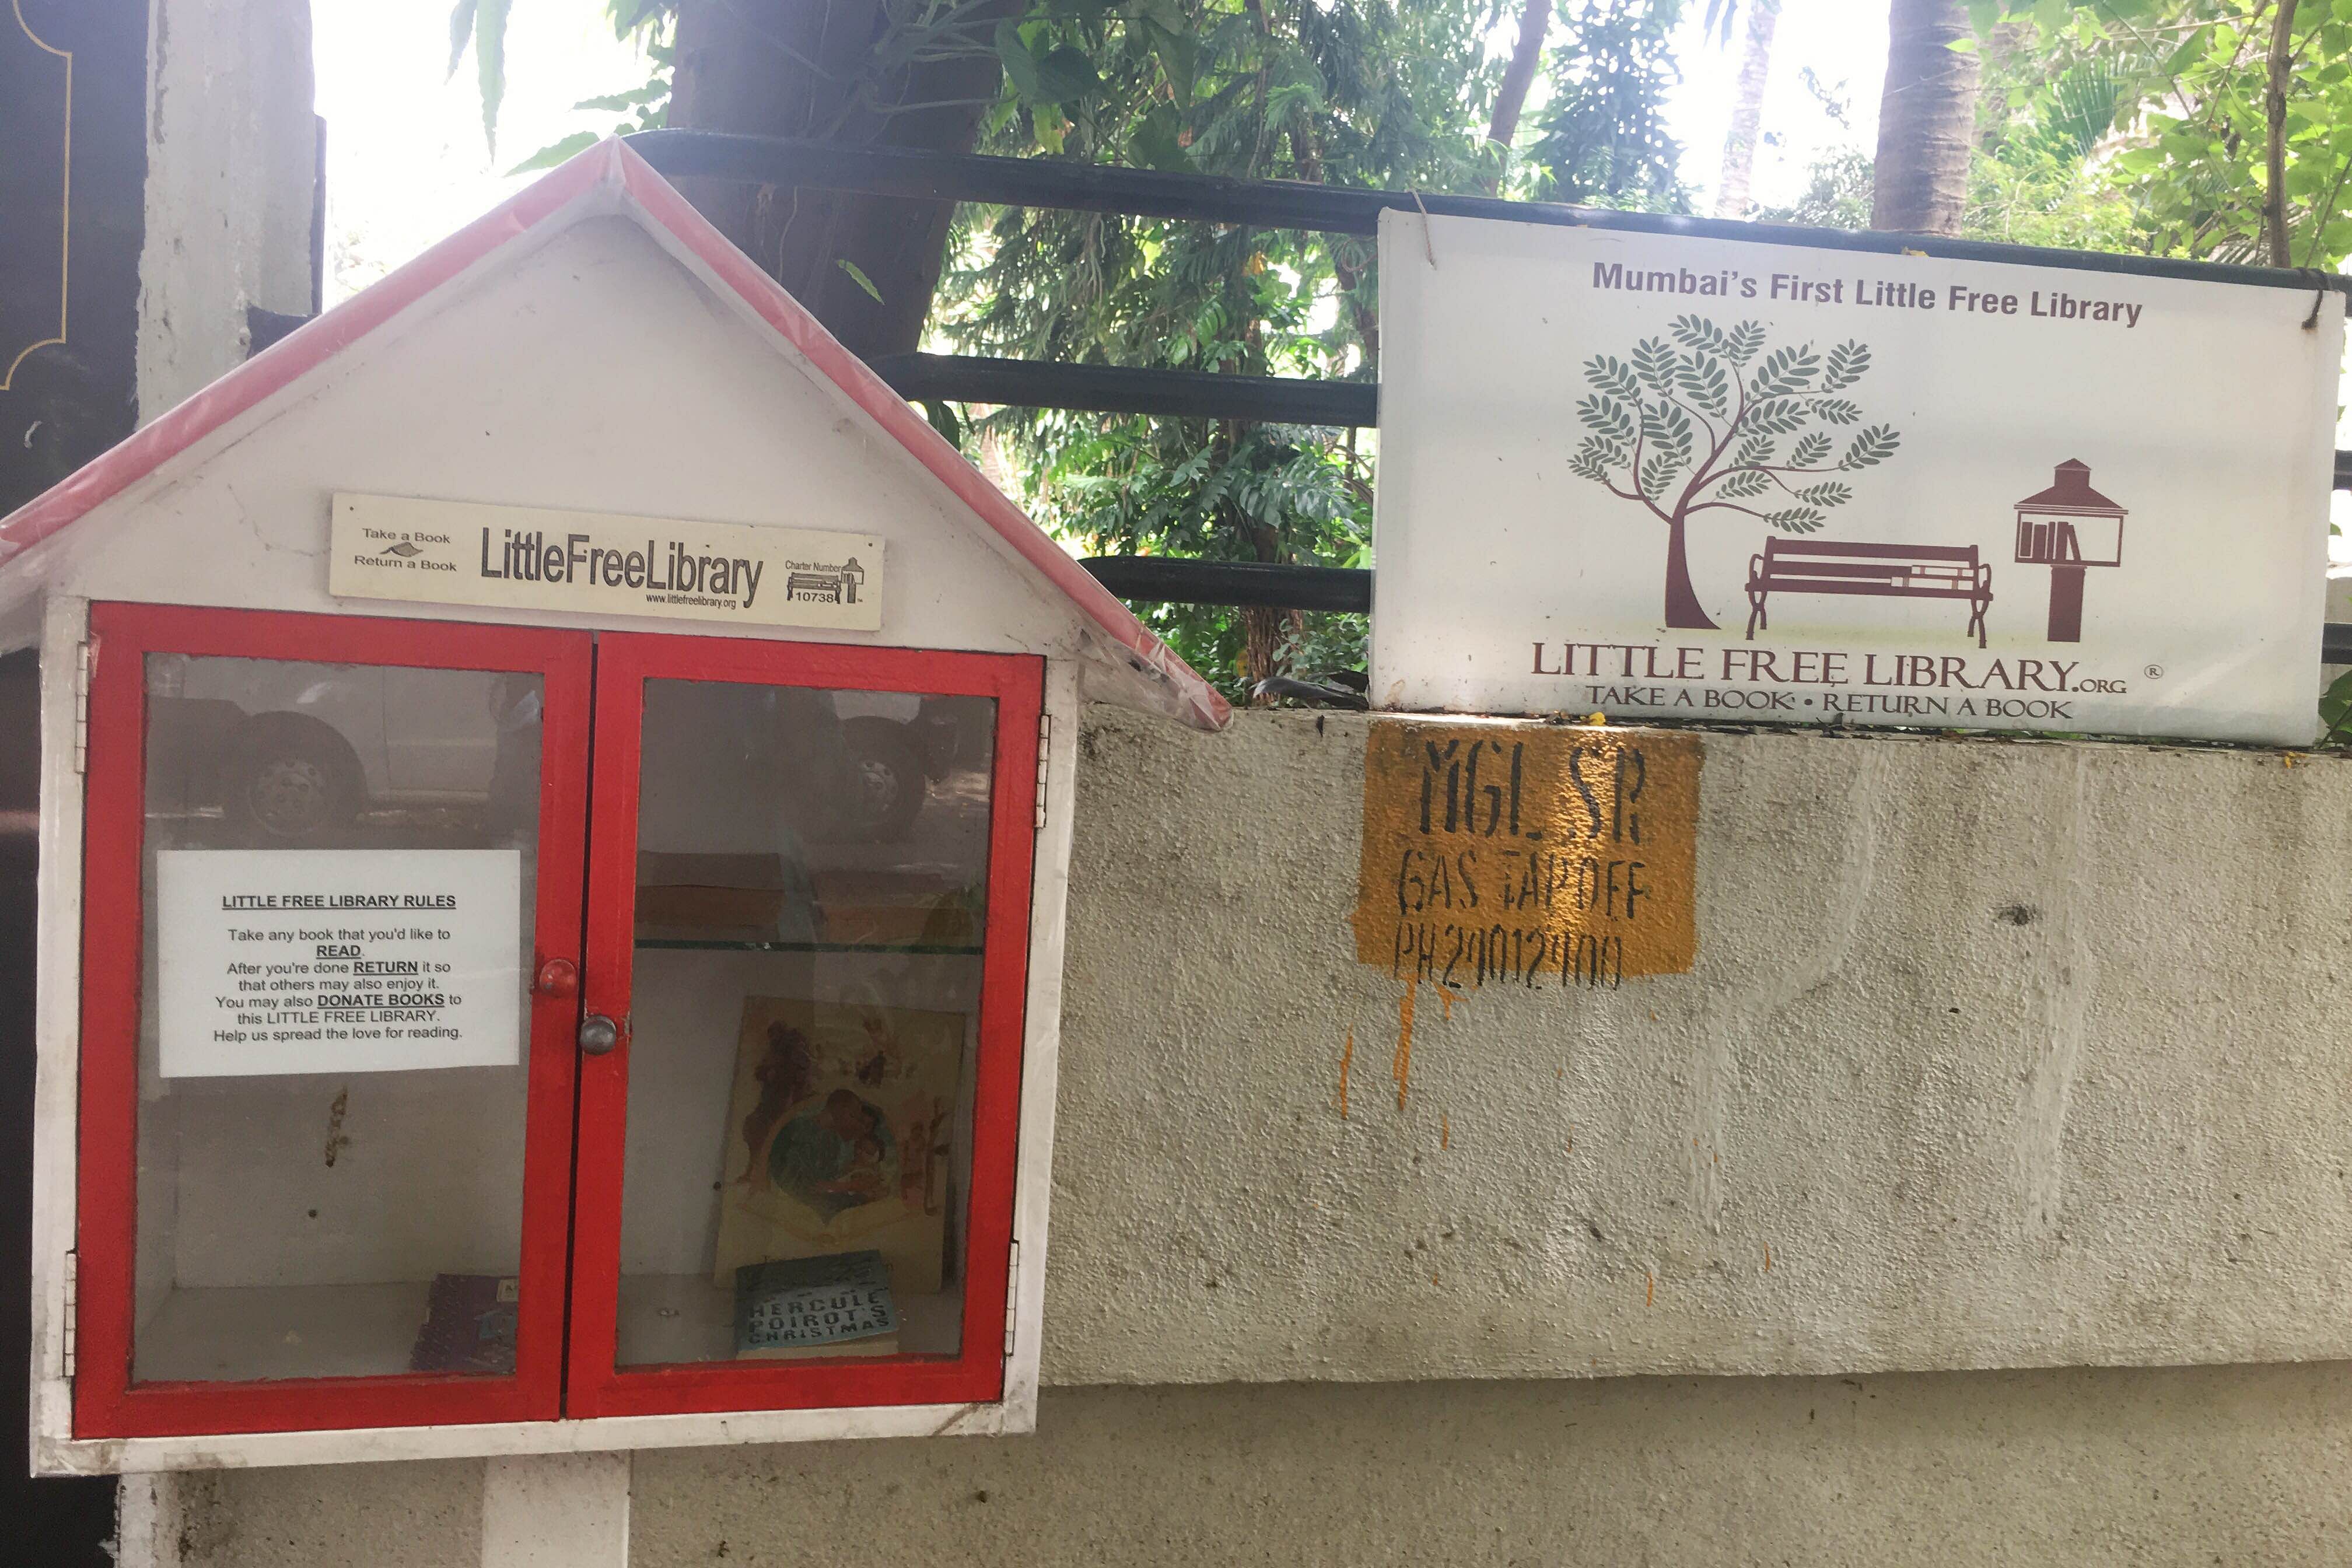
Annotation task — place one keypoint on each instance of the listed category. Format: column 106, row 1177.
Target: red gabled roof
column 2070, row 492
column 612, row 165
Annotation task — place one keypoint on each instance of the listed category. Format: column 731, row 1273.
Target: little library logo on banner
column 1660, row 475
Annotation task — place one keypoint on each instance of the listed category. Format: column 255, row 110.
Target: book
column 469, row 1325
column 740, row 896
column 898, row 909
column 835, row 1305
column 838, row 1137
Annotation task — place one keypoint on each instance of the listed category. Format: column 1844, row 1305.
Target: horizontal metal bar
column 1329, row 209
column 1165, row 580
column 1162, row 579
column 1118, row 389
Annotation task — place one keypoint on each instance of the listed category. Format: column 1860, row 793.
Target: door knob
column 557, row 977
column 598, row 1035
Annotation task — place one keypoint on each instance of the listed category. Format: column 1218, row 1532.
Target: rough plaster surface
column 2149, row 1467
column 353, row 1516
column 231, row 141
column 2010, row 1053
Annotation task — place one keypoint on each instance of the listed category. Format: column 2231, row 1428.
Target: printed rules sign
column 1663, row 476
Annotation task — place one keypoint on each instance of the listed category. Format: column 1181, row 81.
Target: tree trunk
column 791, row 68
column 1748, row 110
column 2282, row 67
column 1527, row 54
column 1683, row 612
column 1926, row 119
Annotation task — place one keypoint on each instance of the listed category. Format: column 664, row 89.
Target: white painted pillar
column 147, row 1519
column 556, row 1510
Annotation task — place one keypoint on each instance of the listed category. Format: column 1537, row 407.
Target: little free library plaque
column 457, row 552
column 300, row 960
column 1527, row 855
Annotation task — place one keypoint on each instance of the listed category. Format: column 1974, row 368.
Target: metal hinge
column 1045, row 750
column 73, row 1305
column 1013, row 1299
column 85, row 658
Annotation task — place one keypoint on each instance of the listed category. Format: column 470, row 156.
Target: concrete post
column 556, row 1510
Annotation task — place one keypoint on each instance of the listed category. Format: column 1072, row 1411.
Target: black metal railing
column 1282, row 205
column 1284, row 400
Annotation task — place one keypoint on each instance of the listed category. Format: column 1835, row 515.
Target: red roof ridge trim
column 608, row 166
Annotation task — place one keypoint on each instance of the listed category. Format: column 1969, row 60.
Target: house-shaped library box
column 556, row 809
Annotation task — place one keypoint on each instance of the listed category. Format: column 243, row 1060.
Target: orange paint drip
column 1767, row 1257
column 1445, row 1130
column 1650, row 1296
column 1402, row 1069
column 1347, row 1054
column 1445, row 1000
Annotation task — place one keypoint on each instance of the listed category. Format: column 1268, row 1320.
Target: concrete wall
column 2085, row 1468
column 2014, row 1054
column 2010, row 1053
column 231, row 151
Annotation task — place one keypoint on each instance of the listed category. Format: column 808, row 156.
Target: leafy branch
column 1645, row 415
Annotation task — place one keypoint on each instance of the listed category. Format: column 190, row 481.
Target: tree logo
column 1700, row 430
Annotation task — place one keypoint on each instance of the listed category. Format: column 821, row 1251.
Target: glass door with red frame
column 808, row 925
column 327, row 1093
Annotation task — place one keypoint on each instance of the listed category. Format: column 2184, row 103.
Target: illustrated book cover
column 837, row 1137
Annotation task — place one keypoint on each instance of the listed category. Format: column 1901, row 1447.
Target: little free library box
column 551, row 903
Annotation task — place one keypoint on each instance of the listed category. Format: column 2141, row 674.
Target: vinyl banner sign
column 457, row 552
column 1659, row 476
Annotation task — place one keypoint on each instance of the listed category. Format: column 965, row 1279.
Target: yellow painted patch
column 1532, row 855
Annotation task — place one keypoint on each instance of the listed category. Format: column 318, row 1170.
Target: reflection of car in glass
column 898, row 744
column 289, row 752
column 293, row 752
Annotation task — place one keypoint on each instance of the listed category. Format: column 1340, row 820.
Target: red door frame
column 107, row 1403
column 976, row 1374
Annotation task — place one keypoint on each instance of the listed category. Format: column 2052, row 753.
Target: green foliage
column 1389, row 93
column 482, row 24
column 652, row 23
column 556, row 152
column 2335, row 710
column 1836, row 197
column 1602, row 139
column 1187, row 488
column 1393, row 93
column 857, row 276
column 2165, row 99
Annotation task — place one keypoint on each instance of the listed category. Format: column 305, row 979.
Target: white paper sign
column 307, row 961
column 1656, row 475
column 457, row 552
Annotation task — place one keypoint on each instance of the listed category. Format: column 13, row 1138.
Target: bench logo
column 814, row 584
column 1711, row 422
